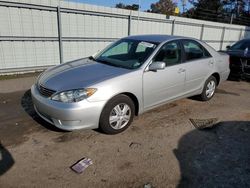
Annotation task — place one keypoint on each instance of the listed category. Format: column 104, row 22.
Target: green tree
column 129, row 7
column 163, row 7
column 206, row 10
column 227, row 11
column 237, row 7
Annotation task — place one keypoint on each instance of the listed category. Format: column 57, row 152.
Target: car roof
column 155, row 38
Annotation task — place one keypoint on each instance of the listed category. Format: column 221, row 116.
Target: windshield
column 241, row 45
column 127, row 53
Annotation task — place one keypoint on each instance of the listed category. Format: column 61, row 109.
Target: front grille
column 247, row 70
column 45, row 91
column 248, row 62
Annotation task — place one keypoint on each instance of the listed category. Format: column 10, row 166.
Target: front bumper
column 240, row 67
column 246, row 75
column 67, row 116
column 224, row 75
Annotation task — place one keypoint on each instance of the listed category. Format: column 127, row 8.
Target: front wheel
column 209, row 89
column 117, row 115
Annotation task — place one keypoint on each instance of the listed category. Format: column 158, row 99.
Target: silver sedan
column 129, row 77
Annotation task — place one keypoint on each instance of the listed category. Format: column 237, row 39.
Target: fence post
column 222, row 37
column 202, row 31
column 241, row 31
column 173, row 23
column 129, row 24
column 59, row 26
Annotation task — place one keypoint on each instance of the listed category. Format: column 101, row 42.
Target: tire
column 209, row 89
column 117, row 115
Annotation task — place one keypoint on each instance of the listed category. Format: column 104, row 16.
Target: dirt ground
column 161, row 148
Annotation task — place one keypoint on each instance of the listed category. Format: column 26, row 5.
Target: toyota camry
column 130, row 76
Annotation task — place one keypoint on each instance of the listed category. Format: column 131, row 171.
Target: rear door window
column 194, row 51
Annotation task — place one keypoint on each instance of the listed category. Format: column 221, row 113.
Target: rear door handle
column 181, row 70
column 211, row 62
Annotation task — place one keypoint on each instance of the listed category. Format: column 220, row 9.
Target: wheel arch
column 217, row 77
column 134, row 99
column 131, row 96
column 102, row 121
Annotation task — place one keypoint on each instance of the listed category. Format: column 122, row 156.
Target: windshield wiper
column 104, row 61
column 110, row 63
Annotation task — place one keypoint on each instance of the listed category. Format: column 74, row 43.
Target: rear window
column 241, row 45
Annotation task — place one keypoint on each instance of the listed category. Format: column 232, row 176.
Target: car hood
column 78, row 74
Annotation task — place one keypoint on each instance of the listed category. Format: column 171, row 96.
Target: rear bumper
column 67, row 116
column 224, row 75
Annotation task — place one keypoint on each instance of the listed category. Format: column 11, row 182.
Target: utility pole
column 138, row 18
column 232, row 17
column 184, row 3
column 248, row 7
column 139, row 4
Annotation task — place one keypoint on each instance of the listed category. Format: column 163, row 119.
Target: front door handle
column 181, row 70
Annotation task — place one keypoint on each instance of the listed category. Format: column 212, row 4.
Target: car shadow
column 221, row 91
column 27, row 105
column 215, row 157
column 234, row 78
column 237, row 78
column 6, row 160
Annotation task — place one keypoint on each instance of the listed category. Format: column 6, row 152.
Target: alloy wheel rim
column 119, row 116
column 210, row 88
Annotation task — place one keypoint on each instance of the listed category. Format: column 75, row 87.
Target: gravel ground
column 161, row 148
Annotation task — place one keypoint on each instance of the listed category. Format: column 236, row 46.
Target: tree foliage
column 207, row 10
column 163, row 6
column 220, row 10
column 129, row 7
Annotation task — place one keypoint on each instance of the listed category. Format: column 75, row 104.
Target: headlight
column 74, row 95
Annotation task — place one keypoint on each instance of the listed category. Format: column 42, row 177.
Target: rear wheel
column 209, row 89
column 117, row 115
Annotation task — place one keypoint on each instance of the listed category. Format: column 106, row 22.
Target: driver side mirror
column 158, row 65
column 228, row 47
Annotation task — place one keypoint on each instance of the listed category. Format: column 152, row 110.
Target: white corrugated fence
column 31, row 31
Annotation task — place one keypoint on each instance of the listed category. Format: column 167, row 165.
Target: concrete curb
column 17, row 84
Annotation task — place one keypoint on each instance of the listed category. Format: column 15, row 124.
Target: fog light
column 67, row 123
